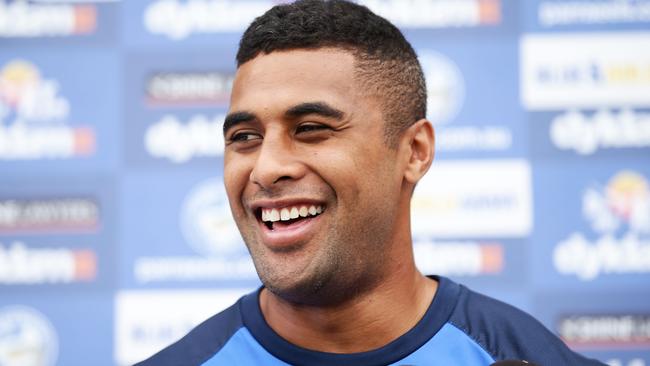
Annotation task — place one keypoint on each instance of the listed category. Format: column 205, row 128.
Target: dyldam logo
column 603, row 130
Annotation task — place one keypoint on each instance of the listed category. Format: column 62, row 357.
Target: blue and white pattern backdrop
column 115, row 232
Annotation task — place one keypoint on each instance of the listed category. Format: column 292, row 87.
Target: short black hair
column 386, row 64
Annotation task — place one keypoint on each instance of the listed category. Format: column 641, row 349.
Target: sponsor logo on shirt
column 459, row 258
column 619, row 215
column 488, row 198
column 605, row 129
column 27, row 338
column 22, row 19
column 25, row 265
column 189, row 89
column 605, row 330
column 179, row 142
column 34, row 117
column 437, row 13
column 582, row 12
column 210, row 231
column 34, row 216
column 585, row 70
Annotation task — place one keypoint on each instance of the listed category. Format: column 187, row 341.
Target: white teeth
column 274, row 215
column 289, row 213
column 294, row 213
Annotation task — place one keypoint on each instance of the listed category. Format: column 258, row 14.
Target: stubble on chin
column 330, row 281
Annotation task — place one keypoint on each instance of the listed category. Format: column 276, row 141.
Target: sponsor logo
column 604, row 129
column 207, row 222
column 437, row 13
column 605, row 331
column 27, row 338
column 566, row 13
column 445, row 87
column 596, row 70
column 446, row 94
column 23, row 19
column 210, row 231
column 448, row 202
column 179, row 142
column 619, row 214
column 48, row 215
column 23, row 265
column 39, row 115
column 147, row 321
column 462, row 258
column 178, row 20
column 189, row 89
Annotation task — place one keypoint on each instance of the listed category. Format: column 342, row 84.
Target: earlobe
column 421, row 139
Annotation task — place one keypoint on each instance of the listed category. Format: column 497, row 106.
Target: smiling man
column 326, row 138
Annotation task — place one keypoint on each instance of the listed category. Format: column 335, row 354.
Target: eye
column 244, row 136
column 309, row 127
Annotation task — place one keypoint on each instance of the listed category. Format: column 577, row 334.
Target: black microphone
column 513, row 363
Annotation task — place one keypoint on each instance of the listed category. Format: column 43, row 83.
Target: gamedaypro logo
column 207, row 222
column 27, row 338
column 445, row 87
column 619, row 215
column 34, row 117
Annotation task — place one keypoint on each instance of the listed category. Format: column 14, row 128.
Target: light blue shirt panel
column 243, row 350
column 450, row 346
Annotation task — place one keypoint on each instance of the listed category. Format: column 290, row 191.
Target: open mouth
column 280, row 218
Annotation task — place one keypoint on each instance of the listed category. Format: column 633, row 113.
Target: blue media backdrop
column 116, row 236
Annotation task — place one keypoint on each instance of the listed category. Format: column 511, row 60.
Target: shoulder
column 202, row 342
column 508, row 333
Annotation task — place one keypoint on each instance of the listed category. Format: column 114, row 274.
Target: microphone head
column 513, row 363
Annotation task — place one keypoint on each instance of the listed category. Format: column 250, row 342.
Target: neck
column 368, row 321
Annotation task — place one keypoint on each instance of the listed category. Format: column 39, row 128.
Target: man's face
column 312, row 185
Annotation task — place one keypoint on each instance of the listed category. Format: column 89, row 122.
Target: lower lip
column 286, row 238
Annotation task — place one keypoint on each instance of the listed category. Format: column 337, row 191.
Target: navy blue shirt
column 461, row 327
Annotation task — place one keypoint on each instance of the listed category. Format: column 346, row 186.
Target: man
column 326, row 138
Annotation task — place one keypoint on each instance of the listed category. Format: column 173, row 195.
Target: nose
column 277, row 161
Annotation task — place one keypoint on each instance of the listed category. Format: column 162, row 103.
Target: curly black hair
column 386, row 64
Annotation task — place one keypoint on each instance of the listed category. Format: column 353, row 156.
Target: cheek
column 235, row 179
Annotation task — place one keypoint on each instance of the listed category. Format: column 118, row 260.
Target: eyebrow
column 299, row 110
column 319, row 108
column 235, row 118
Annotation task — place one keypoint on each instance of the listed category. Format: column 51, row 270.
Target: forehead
column 288, row 77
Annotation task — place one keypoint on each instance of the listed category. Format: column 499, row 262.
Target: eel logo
column 207, row 223
column 445, row 87
column 27, row 338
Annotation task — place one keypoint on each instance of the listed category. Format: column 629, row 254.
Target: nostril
column 284, row 177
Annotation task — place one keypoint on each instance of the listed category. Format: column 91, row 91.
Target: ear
column 420, row 141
